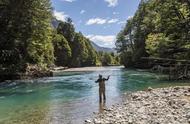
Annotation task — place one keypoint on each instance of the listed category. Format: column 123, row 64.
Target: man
column 101, row 82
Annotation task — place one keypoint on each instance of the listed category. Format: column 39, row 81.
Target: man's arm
column 108, row 78
column 97, row 81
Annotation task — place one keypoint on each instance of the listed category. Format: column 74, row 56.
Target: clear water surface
column 71, row 97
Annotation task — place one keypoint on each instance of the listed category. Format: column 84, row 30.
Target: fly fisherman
column 102, row 88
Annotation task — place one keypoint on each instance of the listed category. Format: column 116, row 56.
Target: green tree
column 62, row 50
column 157, row 45
column 26, row 32
column 40, row 47
column 80, row 52
column 158, row 28
column 92, row 58
column 67, row 30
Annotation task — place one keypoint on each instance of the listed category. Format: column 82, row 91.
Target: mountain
column 102, row 49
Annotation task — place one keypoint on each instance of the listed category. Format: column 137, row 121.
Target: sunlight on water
column 69, row 98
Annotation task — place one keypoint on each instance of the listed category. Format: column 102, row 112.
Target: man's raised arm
column 108, row 78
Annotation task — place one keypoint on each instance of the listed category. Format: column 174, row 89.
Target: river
column 71, row 97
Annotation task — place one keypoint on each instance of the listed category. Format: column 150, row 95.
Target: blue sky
column 99, row 20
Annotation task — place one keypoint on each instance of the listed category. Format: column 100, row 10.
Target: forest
column 159, row 28
column 28, row 38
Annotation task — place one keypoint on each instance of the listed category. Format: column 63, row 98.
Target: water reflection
column 102, row 107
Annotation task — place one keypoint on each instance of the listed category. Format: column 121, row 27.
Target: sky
column 99, row 20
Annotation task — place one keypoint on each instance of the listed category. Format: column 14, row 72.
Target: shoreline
column 81, row 69
column 154, row 106
column 21, row 76
column 49, row 72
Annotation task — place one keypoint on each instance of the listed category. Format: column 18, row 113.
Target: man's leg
column 100, row 96
column 104, row 95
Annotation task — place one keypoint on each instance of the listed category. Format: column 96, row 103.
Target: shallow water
column 72, row 97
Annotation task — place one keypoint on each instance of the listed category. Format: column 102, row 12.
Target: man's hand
column 108, row 77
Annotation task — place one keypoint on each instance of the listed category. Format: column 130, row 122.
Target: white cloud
column 124, row 22
column 68, row 0
column 112, row 3
column 113, row 21
column 96, row 21
column 101, row 21
column 60, row 15
column 129, row 17
column 82, row 11
column 121, row 22
column 103, row 40
column 115, row 13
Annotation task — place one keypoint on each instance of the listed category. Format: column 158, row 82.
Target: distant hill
column 102, row 49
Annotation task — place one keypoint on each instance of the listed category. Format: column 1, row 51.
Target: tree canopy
column 159, row 29
column 27, row 37
column 26, row 33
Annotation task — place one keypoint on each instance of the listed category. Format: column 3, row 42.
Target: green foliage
column 62, row 50
column 108, row 59
column 157, row 44
column 159, row 29
column 92, row 55
column 83, row 53
column 80, row 53
column 126, row 59
column 67, row 30
column 26, row 32
column 28, row 38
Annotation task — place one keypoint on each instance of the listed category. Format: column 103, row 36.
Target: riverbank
column 25, row 75
column 36, row 72
column 83, row 69
column 154, row 106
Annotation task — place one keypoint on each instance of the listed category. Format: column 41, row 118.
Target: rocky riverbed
column 154, row 106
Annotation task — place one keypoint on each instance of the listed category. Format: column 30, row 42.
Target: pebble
column 88, row 121
column 150, row 89
column 160, row 106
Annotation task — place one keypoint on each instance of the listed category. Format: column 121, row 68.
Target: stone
column 176, row 88
column 130, row 121
column 96, row 121
column 188, row 89
column 150, row 89
column 188, row 115
column 88, row 121
column 163, row 106
column 135, row 96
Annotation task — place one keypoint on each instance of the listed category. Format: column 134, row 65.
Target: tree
column 40, row 47
column 80, row 51
column 92, row 58
column 67, row 30
column 157, row 45
column 26, row 32
column 158, row 28
column 62, row 50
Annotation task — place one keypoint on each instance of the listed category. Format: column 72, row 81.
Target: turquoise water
column 72, row 97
